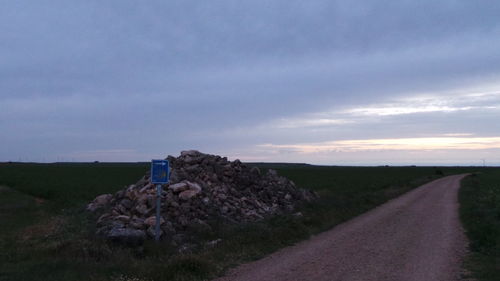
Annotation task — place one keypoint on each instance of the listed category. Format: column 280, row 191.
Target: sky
column 320, row 82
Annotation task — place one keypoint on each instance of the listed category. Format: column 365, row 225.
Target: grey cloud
column 99, row 73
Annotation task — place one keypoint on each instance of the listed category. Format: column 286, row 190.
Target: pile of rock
column 203, row 189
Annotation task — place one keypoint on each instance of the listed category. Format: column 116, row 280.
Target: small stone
column 183, row 220
column 151, row 231
column 151, row 202
column 186, row 248
column 126, row 203
column 137, row 224
column 213, row 243
column 103, row 218
column 255, row 171
column 91, row 207
column 178, row 238
column 168, row 228
column 272, row 173
column 142, row 199
column 146, row 187
column 198, row 225
column 130, row 194
column 142, row 209
column 151, row 221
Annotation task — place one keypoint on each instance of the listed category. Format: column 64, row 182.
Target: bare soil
column 417, row 236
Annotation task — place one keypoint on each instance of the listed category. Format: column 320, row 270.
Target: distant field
column 69, row 184
column 46, row 234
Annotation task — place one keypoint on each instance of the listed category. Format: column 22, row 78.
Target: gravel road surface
column 416, row 236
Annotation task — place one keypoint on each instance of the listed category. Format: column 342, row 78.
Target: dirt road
column 417, row 236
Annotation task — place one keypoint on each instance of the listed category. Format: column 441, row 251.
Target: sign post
column 159, row 176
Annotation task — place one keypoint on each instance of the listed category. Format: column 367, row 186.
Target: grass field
column 45, row 233
column 480, row 214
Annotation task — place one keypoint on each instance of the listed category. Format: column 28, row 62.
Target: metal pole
column 158, row 203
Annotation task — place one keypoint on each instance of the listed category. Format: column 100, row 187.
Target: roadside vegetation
column 480, row 214
column 46, row 234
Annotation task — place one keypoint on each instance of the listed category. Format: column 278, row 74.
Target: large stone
column 194, row 186
column 129, row 236
column 103, row 199
column 123, row 218
column 178, row 187
column 174, row 177
column 99, row 202
column 188, row 194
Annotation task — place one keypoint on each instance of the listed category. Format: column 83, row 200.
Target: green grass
column 53, row 239
column 480, row 214
column 68, row 184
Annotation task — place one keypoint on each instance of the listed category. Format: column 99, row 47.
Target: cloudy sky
column 324, row 82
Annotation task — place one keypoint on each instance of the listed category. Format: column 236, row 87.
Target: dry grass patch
column 42, row 230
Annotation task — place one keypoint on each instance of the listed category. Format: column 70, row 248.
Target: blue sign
column 159, row 171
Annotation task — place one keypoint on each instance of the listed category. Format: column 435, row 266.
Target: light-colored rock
column 213, row 243
column 151, row 221
column 99, row 202
column 194, row 186
column 188, row 194
column 91, row 207
column 146, row 187
column 178, row 187
column 123, row 218
column 103, row 218
column 103, row 199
